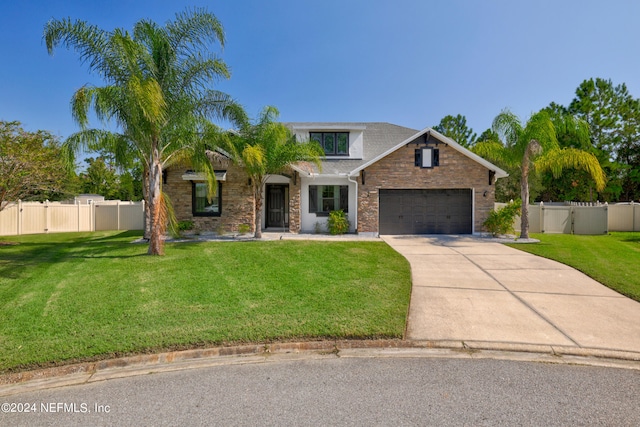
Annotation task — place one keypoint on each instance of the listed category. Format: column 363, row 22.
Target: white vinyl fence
column 581, row 218
column 56, row 217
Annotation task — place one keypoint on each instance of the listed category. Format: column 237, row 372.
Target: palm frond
column 539, row 127
column 80, row 103
column 195, row 27
column 88, row 40
column 495, row 152
column 508, row 126
column 253, row 157
column 150, row 99
column 214, row 104
column 197, row 71
column 558, row 160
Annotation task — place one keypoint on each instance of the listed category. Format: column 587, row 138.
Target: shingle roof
column 378, row 137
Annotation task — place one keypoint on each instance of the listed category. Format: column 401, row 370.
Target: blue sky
column 408, row 62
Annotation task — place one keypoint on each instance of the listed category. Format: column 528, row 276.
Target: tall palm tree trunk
column 157, row 219
column 257, row 197
column 145, row 197
column 524, row 194
column 533, row 148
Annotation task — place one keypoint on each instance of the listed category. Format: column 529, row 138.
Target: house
column 389, row 179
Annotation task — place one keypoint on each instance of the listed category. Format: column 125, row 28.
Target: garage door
column 426, row 211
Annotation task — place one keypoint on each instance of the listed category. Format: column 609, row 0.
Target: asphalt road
column 345, row 391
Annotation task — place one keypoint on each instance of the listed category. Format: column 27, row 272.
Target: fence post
column 633, row 212
column 118, row 213
column 541, row 211
column 144, row 217
column 46, row 216
column 572, row 218
column 19, row 222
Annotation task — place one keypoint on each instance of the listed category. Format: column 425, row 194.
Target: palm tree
column 265, row 148
column 536, row 145
column 158, row 93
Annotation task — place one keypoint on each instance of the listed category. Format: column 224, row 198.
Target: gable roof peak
column 443, row 139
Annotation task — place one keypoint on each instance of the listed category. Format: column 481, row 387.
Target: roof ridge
column 338, row 123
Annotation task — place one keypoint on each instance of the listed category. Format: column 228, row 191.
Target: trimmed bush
column 338, row 223
column 185, row 225
column 500, row 221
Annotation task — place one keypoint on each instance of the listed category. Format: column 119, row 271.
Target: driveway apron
column 474, row 290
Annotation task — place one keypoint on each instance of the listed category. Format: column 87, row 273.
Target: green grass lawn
column 82, row 296
column 613, row 260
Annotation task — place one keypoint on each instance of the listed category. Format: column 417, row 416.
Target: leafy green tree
column 613, row 116
column 30, row 165
column 488, row 135
column 535, row 144
column 628, row 152
column 568, row 136
column 127, row 187
column 103, row 178
column 99, row 179
column 572, row 184
column 596, row 103
column 157, row 91
column 456, row 128
column 267, row 147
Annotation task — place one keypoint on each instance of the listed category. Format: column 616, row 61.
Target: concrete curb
column 84, row 373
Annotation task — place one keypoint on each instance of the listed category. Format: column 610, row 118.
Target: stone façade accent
column 398, row 171
column 237, row 200
column 295, row 218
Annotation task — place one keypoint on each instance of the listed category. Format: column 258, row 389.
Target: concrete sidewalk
column 477, row 291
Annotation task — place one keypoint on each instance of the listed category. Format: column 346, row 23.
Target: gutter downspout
column 357, row 203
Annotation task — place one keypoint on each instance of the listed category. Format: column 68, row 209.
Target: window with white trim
column 326, row 198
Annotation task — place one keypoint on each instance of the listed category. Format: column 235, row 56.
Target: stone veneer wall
column 295, row 215
column 237, row 201
column 397, row 171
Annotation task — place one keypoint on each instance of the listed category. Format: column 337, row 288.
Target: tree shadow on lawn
column 17, row 259
column 632, row 239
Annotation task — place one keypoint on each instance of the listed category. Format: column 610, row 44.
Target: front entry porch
column 277, row 206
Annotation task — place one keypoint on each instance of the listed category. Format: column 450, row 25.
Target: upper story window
column 333, row 143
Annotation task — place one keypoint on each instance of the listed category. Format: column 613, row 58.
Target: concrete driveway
column 481, row 292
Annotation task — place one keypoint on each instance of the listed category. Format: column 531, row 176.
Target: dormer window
column 333, row 143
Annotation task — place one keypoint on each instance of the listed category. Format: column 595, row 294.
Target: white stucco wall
column 308, row 220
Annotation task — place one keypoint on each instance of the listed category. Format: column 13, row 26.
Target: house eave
column 199, row 176
column 329, row 175
column 344, row 127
